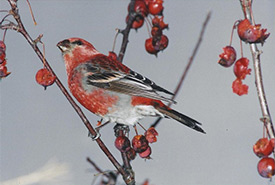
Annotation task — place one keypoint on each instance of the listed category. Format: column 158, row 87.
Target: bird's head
column 76, row 50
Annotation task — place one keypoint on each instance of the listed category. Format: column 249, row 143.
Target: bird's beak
column 64, row 45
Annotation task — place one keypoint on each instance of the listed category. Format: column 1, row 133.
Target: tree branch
column 247, row 10
column 132, row 15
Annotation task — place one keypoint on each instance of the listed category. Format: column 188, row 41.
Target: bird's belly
column 130, row 115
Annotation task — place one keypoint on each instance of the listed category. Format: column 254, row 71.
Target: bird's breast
column 97, row 100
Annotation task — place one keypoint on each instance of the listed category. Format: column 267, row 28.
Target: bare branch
column 126, row 31
column 191, row 59
column 247, row 10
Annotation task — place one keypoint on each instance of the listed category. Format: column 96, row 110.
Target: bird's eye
column 77, row 42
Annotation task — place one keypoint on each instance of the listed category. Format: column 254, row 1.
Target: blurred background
column 40, row 127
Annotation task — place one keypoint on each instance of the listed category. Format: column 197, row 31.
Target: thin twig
column 247, row 10
column 110, row 175
column 33, row 18
column 191, row 59
column 94, row 165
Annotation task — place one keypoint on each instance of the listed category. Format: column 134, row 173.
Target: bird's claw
column 94, row 137
column 118, row 127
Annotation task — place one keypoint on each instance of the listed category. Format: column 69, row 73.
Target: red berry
column 131, row 154
column 149, row 46
column 3, row 70
column 140, row 7
column 139, row 143
column 44, row 77
column 266, row 167
column 162, row 43
column 228, row 57
column 151, row 134
column 122, row 143
column 2, row 55
column 239, row 88
column 251, row 34
column 156, row 21
column 2, row 45
column 138, row 22
column 241, row 68
column 146, row 154
column 263, row 147
column 155, row 7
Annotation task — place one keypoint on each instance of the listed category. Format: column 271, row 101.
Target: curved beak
column 64, row 45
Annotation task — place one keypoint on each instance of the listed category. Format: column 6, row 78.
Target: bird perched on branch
column 111, row 90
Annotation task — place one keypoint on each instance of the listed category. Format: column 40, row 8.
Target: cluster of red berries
column 263, row 148
column 140, row 144
column 248, row 33
column 157, row 41
column 3, row 62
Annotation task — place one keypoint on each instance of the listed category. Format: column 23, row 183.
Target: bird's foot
column 94, row 137
column 120, row 127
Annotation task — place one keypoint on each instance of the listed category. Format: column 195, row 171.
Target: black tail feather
column 189, row 122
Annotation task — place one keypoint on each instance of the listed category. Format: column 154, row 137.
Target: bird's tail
column 181, row 118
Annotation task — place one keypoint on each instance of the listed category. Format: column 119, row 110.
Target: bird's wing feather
column 116, row 79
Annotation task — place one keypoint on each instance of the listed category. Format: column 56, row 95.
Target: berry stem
column 241, row 46
column 141, row 126
column 247, row 10
column 35, row 23
column 4, row 35
column 232, row 32
column 114, row 43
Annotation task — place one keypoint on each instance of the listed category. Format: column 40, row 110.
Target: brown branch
column 132, row 15
column 247, row 10
column 110, row 175
column 21, row 29
column 122, row 130
column 191, row 59
column 94, row 165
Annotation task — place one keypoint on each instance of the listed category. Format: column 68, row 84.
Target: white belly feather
column 130, row 115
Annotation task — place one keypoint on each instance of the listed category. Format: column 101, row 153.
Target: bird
column 113, row 91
